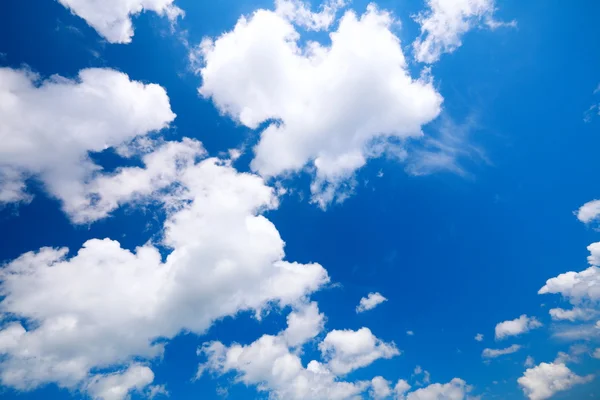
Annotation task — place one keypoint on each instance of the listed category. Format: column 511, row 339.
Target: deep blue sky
column 454, row 254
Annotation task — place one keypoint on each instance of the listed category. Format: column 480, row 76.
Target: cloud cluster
column 49, row 127
column 112, row 18
column 106, row 306
column 328, row 107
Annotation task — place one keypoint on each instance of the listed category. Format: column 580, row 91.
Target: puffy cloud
column 575, row 286
column 330, row 107
column 299, row 13
column 163, row 169
column 380, row 388
column 303, row 324
column 516, row 327
column 269, row 364
column 594, row 257
column 112, row 18
column 589, row 212
column 546, row 379
column 401, row 387
column 347, row 350
column 596, row 353
column 456, row 389
column 493, row 353
column 105, row 305
column 479, row 337
column 48, row 128
column 445, row 22
column 117, row 386
column 559, row 314
column 370, row 302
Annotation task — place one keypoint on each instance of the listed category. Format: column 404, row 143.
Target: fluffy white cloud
column 479, row 337
column 105, row 305
column 112, row 18
column 163, row 169
column 543, row 381
column 48, row 128
column 445, row 22
column 516, row 327
column 493, row 353
column 299, row 13
column 456, row 389
column 117, row 386
column 380, row 388
column 594, row 257
column 401, row 387
column 575, row 286
column 347, row 350
column 575, row 314
column 370, row 302
column 269, row 364
column 303, row 324
column 330, row 107
column 589, row 212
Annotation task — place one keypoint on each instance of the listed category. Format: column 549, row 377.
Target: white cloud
column 589, row 212
column 269, row 364
column 299, row 13
column 445, row 22
column 596, row 353
column 116, row 386
column 370, row 302
column 105, row 305
column 575, row 314
column 575, row 286
column 401, row 387
column 163, row 168
column 516, row 327
column 347, row 350
column 410, row 333
column 594, row 257
column 546, row 379
column 303, row 324
column 493, row 353
column 479, row 337
column 335, row 106
column 48, row 128
column 529, row 362
column 380, row 388
column 456, row 389
column 112, row 18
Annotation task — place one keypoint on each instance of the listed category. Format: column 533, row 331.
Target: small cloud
column 479, row 337
column 529, row 362
column 410, row 333
column 370, row 302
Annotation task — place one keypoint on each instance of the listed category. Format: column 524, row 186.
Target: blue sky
column 227, row 191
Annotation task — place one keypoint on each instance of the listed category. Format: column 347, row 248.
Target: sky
column 249, row 199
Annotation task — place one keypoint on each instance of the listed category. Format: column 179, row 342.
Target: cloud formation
column 493, row 353
column 112, row 18
column 105, row 306
column 49, row 127
column 370, row 302
column 546, row 379
column 518, row 326
column 445, row 22
column 330, row 108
